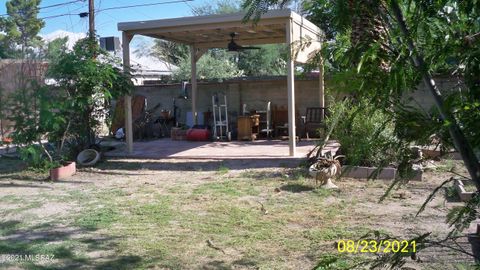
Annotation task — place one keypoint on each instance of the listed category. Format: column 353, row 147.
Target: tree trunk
column 459, row 139
column 368, row 27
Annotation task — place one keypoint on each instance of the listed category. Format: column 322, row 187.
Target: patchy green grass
column 229, row 188
column 222, row 169
column 96, row 218
column 446, row 165
column 17, row 204
column 271, row 219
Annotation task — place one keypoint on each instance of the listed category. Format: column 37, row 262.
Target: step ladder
column 220, row 119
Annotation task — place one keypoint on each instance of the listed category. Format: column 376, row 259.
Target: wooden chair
column 314, row 119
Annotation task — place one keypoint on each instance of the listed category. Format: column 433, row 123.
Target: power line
column 145, row 5
column 60, row 15
column 61, row 4
column 114, row 8
column 143, row 14
column 51, row 6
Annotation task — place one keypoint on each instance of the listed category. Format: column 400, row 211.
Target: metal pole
column 322, row 87
column 193, row 56
column 291, row 91
column 128, row 99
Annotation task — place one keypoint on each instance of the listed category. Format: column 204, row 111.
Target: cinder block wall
column 257, row 92
column 253, row 92
column 422, row 97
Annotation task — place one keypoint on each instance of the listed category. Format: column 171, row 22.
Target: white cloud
column 72, row 37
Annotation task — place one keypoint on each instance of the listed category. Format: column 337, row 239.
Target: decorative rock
column 462, row 193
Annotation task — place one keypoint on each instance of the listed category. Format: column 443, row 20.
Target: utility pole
column 91, row 19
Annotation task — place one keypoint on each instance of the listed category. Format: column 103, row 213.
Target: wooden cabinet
column 247, row 127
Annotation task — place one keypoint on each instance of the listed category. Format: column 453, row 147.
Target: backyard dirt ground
column 209, row 214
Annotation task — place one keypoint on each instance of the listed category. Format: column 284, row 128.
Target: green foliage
column 217, row 7
column 332, row 17
column 467, row 111
column 461, row 217
column 4, row 48
column 332, row 262
column 169, row 52
column 30, row 108
column 212, row 65
column 217, row 64
column 87, row 79
column 21, row 27
column 55, row 49
column 34, row 155
column 68, row 114
column 269, row 60
column 365, row 133
column 255, row 8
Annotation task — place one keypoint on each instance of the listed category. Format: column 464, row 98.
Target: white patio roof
column 213, row 31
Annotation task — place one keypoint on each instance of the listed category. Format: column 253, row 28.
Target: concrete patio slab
column 241, row 154
column 261, row 149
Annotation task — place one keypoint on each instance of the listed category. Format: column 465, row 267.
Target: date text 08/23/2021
column 375, row 246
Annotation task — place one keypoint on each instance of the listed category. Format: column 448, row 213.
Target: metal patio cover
column 213, row 31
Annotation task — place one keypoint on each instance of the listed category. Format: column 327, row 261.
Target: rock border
column 460, row 187
column 385, row 173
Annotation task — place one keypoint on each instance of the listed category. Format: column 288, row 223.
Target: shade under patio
column 206, row 32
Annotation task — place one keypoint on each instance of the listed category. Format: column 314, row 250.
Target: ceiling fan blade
column 234, row 47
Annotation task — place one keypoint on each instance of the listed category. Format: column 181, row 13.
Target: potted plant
column 325, row 169
column 63, row 171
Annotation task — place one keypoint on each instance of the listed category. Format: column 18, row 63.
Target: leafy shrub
column 35, row 158
column 366, row 134
column 68, row 114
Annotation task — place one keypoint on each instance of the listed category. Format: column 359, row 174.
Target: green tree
column 217, row 7
column 169, row 52
column 3, row 45
column 212, row 65
column 21, row 28
column 55, row 49
column 385, row 48
column 88, row 78
column 269, row 60
column 69, row 113
column 406, row 40
column 175, row 53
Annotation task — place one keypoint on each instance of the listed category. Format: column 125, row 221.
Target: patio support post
column 193, row 56
column 291, row 90
column 322, row 87
column 126, row 38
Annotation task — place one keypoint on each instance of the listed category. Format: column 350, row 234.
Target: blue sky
column 106, row 21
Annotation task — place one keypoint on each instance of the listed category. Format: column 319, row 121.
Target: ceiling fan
column 234, row 47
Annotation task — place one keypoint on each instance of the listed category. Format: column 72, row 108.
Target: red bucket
column 197, row 134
